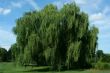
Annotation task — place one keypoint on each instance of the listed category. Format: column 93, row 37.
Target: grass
column 12, row 68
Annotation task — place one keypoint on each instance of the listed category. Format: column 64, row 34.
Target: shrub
column 101, row 65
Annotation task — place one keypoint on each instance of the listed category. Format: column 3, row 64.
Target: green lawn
column 11, row 68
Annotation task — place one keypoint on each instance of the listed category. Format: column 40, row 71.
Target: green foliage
column 13, row 52
column 99, row 54
column 56, row 37
column 106, row 58
column 102, row 66
column 3, row 55
column 102, row 56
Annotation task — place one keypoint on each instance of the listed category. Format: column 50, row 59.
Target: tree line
column 3, row 55
column 60, row 38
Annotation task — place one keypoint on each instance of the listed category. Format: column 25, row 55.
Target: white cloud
column 100, row 19
column 8, row 8
column 33, row 4
column 96, row 16
column 102, row 22
column 5, row 34
column 81, row 2
column 59, row 4
column 6, row 38
column 5, row 11
column 89, row 3
column 5, row 46
column 104, row 27
column 16, row 4
column 104, row 36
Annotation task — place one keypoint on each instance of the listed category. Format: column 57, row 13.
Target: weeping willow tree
column 60, row 38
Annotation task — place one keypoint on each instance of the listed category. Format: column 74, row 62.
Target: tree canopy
column 56, row 37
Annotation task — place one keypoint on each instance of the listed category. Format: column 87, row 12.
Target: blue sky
column 98, row 11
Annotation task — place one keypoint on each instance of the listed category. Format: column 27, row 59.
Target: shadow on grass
column 50, row 70
column 39, row 70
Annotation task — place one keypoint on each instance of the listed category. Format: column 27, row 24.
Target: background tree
column 100, row 54
column 3, row 55
column 13, row 52
column 103, row 57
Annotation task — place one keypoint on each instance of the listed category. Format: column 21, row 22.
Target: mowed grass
column 12, row 68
